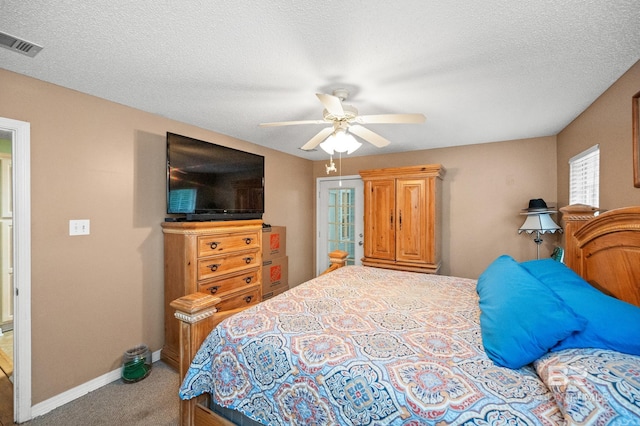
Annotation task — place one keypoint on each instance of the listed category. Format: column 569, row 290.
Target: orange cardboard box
column 274, row 242
column 275, row 273
column 276, row 290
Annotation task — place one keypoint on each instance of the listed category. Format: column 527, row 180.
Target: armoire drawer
column 215, row 266
column 210, row 245
column 221, row 286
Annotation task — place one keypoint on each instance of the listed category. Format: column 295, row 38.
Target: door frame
column 321, row 257
column 21, row 158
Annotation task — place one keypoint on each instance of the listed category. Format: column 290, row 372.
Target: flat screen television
column 206, row 181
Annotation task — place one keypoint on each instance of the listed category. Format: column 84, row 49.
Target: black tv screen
column 206, row 181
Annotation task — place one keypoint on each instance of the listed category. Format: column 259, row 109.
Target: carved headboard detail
column 605, row 249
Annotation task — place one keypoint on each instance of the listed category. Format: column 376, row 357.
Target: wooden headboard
column 605, row 249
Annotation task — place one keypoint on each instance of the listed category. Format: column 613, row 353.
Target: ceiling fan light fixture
column 353, row 145
column 328, row 145
column 340, row 141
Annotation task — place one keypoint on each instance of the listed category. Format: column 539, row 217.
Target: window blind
column 584, row 177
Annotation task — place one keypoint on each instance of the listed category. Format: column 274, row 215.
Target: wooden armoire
column 402, row 217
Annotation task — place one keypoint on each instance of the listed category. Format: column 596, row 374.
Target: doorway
column 340, row 219
column 6, row 240
column 18, row 135
column 6, row 256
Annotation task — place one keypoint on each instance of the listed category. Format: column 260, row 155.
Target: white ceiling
column 480, row 70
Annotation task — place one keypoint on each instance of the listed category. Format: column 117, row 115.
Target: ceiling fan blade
column 317, row 139
column 369, row 136
column 290, row 123
column 391, row 119
column 333, row 104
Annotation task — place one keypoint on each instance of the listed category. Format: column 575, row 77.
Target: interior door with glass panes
column 340, row 219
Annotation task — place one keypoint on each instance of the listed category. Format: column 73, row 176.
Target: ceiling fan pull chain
column 340, row 167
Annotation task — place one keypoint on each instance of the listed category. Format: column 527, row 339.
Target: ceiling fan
column 345, row 119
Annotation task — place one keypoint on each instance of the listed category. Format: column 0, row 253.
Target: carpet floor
column 151, row 401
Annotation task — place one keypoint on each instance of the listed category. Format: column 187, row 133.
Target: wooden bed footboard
column 337, row 259
column 198, row 315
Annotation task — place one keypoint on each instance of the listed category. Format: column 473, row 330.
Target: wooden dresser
column 219, row 258
column 402, row 217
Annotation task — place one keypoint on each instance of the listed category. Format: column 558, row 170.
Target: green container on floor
column 136, row 364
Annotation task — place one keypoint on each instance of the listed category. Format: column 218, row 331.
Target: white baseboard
column 65, row 397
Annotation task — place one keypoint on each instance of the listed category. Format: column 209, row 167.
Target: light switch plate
column 79, row 227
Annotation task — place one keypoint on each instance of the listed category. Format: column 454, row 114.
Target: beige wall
column 606, row 122
column 95, row 296
column 484, row 189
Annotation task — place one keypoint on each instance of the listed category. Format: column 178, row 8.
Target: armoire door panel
column 411, row 238
column 380, row 219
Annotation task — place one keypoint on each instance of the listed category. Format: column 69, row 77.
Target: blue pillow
column 520, row 319
column 611, row 323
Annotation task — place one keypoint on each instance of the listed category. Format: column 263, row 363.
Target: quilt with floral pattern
column 369, row 346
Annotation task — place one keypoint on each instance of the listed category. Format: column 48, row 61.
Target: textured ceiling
column 481, row 71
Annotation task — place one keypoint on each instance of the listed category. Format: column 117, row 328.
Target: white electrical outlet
column 79, row 227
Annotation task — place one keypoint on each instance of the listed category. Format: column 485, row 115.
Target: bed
column 363, row 345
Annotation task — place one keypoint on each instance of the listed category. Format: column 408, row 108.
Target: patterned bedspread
column 369, row 346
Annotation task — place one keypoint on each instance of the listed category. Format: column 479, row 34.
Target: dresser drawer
column 239, row 300
column 215, row 266
column 209, row 245
column 225, row 285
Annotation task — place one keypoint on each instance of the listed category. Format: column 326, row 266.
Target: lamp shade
column 540, row 223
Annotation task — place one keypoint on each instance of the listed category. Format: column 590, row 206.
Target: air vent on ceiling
column 17, row 45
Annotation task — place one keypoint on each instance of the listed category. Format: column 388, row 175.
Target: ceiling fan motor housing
column 350, row 113
column 341, row 93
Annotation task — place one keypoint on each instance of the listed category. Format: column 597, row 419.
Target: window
column 584, row 177
column 342, row 234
